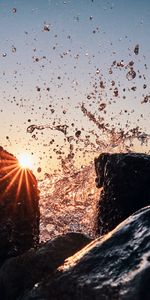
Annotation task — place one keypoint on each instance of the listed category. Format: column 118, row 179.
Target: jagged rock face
column 115, row 266
column 22, row 272
column 19, row 208
column 125, row 183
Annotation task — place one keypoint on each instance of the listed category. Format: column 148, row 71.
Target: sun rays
column 16, row 175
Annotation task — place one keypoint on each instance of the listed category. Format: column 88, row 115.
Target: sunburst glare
column 17, row 174
column 25, row 161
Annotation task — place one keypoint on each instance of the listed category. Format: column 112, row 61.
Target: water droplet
column 31, row 128
column 46, row 27
column 131, row 74
column 34, row 137
column 14, row 10
column 133, row 88
column 78, row 133
column 88, row 97
column 146, row 99
column 131, row 63
column 14, row 49
column 112, row 82
column 136, row 49
column 102, row 106
column 4, row 54
column 102, row 84
column 116, row 92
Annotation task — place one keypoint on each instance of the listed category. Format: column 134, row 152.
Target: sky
column 57, row 57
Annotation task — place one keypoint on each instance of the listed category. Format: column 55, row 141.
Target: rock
column 19, row 208
column 125, row 182
column 23, row 272
column 113, row 267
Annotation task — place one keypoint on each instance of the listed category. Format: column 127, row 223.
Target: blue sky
column 84, row 36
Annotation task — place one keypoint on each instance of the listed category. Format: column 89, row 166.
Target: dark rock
column 113, row 267
column 21, row 273
column 125, row 182
column 19, row 208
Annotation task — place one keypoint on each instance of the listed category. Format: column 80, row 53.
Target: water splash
column 117, row 138
column 62, row 128
column 68, row 202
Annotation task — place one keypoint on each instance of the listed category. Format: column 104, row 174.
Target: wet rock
column 115, row 266
column 23, row 272
column 125, row 183
column 19, row 208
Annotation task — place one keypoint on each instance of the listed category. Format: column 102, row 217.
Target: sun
column 25, row 161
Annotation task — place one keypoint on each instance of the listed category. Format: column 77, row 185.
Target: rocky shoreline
column 114, row 266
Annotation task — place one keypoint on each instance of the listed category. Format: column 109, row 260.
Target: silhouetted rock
column 22, row 272
column 19, row 208
column 125, row 182
column 113, row 267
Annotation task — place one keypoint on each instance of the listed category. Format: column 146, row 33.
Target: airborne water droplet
column 46, row 27
column 78, row 133
column 131, row 74
column 14, row 49
column 39, row 169
column 136, row 49
column 88, row 97
column 14, row 10
column 31, row 128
